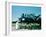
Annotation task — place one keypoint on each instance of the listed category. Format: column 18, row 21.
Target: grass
column 30, row 26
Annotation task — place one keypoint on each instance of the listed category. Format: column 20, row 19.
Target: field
column 28, row 26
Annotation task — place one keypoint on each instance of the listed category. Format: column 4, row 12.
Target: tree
column 22, row 16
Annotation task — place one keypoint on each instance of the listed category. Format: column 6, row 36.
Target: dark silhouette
column 30, row 19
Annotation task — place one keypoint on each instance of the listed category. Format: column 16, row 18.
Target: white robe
column 17, row 25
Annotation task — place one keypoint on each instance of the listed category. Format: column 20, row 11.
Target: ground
column 29, row 26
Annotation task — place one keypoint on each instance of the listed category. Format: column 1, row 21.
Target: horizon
column 18, row 10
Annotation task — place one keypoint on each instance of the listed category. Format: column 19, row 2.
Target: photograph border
column 7, row 18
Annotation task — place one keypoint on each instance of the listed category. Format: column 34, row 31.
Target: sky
column 18, row 10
